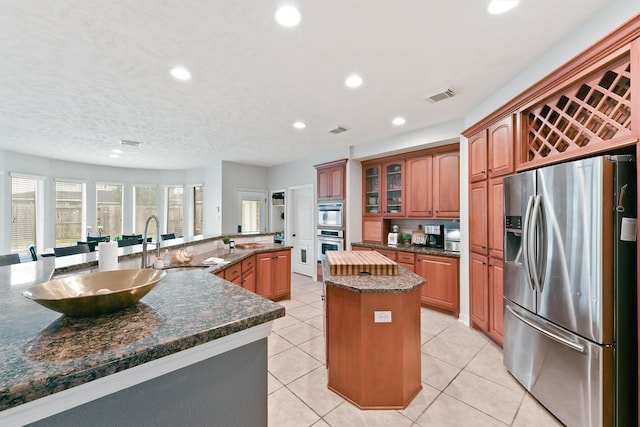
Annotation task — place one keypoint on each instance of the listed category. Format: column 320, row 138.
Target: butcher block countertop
column 359, row 262
column 403, row 282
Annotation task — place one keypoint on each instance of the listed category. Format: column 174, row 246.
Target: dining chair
column 32, row 251
column 168, row 236
column 128, row 242
column 82, row 248
column 92, row 244
column 9, row 259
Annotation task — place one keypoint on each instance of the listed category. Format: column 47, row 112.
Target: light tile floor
column 464, row 382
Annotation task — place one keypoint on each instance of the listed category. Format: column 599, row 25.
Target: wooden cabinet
column 373, row 230
column 233, row 274
column 478, row 156
column 496, row 291
column 485, row 298
column 441, row 274
column 393, row 184
column 490, row 157
column 446, row 185
column 479, row 291
column 406, row 260
column 419, row 175
column 331, row 180
column 500, row 143
column 273, row 274
column 478, row 217
column 249, row 274
column 371, row 190
column 491, row 151
column 425, row 184
column 383, row 189
column 495, row 219
column 389, row 253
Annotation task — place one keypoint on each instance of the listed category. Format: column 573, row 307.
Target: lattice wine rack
column 592, row 112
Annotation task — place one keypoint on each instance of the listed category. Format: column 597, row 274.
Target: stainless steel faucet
column 144, row 240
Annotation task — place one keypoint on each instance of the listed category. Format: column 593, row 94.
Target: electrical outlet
column 382, row 317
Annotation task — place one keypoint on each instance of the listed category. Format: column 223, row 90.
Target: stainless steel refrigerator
column 570, row 327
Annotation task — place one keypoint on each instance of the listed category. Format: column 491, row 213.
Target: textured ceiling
column 79, row 76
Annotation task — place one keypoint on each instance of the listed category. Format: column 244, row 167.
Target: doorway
column 251, row 212
column 301, row 224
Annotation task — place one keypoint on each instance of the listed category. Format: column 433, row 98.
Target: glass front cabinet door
column 371, row 190
column 394, row 188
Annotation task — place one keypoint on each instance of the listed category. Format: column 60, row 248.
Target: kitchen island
column 192, row 351
column 373, row 337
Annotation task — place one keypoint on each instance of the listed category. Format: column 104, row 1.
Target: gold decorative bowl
column 95, row 293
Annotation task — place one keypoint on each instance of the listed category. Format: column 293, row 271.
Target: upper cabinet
column 446, row 185
column 393, row 201
column 423, row 184
column 371, row 190
column 491, row 151
column 419, row 189
column 331, row 180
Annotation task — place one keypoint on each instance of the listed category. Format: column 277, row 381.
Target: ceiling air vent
column 449, row 93
column 338, row 130
column 129, row 143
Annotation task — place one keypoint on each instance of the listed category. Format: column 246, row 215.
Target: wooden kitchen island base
column 374, row 364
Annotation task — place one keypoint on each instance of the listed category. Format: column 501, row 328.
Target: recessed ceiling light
column 353, row 80
column 299, row 125
column 497, row 7
column 113, row 156
column 287, row 16
column 116, row 151
column 398, row 121
column 180, row 73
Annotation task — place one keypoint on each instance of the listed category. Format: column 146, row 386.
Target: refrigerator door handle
column 537, row 242
column 577, row 347
column 525, row 243
column 542, row 261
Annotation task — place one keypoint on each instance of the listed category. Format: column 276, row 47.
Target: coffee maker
column 434, row 236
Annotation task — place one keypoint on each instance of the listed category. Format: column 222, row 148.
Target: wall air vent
column 449, row 93
column 338, row 130
column 129, row 143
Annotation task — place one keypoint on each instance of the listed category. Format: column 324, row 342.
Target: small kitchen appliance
column 452, row 239
column 434, row 236
column 392, row 238
column 418, row 236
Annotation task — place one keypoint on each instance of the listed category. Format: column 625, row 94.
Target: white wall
column 51, row 169
column 235, row 177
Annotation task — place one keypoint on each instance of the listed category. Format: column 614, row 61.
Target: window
column 23, row 213
column 197, row 210
column 250, row 216
column 109, row 210
column 174, row 210
column 69, row 212
column 145, row 206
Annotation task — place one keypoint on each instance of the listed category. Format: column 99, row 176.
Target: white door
column 302, row 230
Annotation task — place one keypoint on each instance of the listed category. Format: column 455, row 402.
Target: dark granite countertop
column 403, row 282
column 413, row 248
column 43, row 352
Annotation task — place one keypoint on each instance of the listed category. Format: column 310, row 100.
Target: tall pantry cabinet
column 490, row 159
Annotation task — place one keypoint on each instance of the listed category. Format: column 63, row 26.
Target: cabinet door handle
column 490, row 170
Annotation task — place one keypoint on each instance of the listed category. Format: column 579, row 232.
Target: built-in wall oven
column 329, row 240
column 330, row 214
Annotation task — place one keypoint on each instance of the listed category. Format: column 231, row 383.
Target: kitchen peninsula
column 373, row 337
column 192, row 351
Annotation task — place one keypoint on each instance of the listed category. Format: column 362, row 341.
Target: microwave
column 331, row 214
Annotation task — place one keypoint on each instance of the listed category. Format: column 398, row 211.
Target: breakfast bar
column 192, row 351
column 373, row 335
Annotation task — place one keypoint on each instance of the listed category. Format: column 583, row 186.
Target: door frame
column 255, row 195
